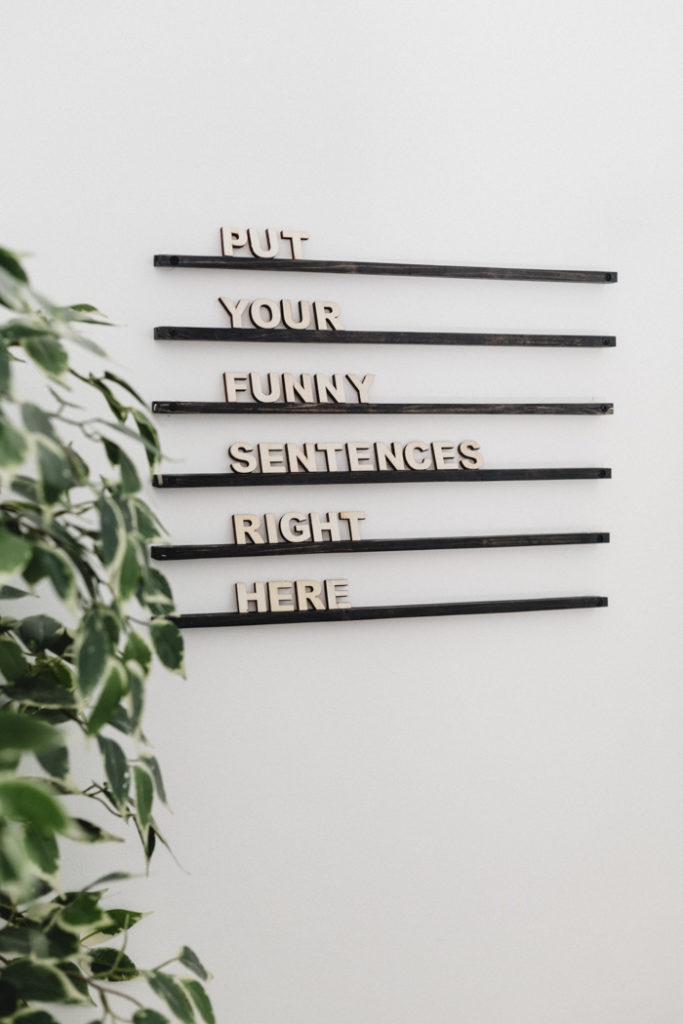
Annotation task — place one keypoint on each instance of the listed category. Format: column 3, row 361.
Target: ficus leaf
column 155, row 771
column 10, row 262
column 168, row 644
column 149, row 1017
column 42, row 982
column 137, row 650
column 15, row 552
column 23, row 732
column 200, row 999
column 31, row 802
column 13, row 445
column 43, row 633
column 130, row 571
column 13, row 663
column 55, row 761
column 108, row 700
column 144, row 794
column 33, row 1017
column 52, row 563
column 41, row 847
column 112, row 529
column 93, row 650
column 56, row 476
column 47, row 352
column 83, row 831
column 121, row 921
column 116, row 768
column 112, row 964
column 171, row 991
column 189, row 959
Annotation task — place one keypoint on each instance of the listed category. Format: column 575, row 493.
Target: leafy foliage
column 78, row 541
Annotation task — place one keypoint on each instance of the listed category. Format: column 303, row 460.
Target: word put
column 295, row 527
column 271, row 313
column 306, row 387
column 292, row 596
column 238, row 238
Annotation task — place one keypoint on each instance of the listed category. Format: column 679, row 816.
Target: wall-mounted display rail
column 314, row 337
column 399, row 611
column 420, row 408
column 283, row 464
column 384, row 269
column 374, row 477
column 176, row 552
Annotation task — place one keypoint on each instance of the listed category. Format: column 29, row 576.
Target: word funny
column 306, row 387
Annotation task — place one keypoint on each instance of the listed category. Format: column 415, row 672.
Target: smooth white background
column 474, row 820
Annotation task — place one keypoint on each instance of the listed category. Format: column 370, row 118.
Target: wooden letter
column 335, row 590
column 277, row 598
column 246, row 597
column 471, row 457
column 330, row 448
column 308, row 592
column 327, row 388
column 245, row 526
column 353, row 519
column 262, row 396
column 273, row 246
column 304, row 320
column 232, row 237
column 357, row 450
column 297, row 458
column 272, row 457
column 320, row 526
column 233, row 383
column 294, row 527
column 362, row 385
column 444, row 455
column 243, row 454
column 327, row 313
column 271, row 528
column 302, row 388
column 235, row 310
column 391, row 452
column 295, row 240
column 256, row 314
column 417, row 446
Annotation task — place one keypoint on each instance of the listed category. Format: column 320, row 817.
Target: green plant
column 81, row 538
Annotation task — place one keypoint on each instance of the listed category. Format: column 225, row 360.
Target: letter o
column 256, row 313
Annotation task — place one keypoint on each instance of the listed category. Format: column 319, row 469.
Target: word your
column 307, row 387
column 295, row 527
column 270, row 313
column 237, row 238
column 292, row 595
column 279, row 457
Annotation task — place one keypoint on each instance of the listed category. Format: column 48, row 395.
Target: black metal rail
column 400, row 611
column 373, row 477
column 379, row 408
column 384, row 269
column 281, row 335
column 175, row 552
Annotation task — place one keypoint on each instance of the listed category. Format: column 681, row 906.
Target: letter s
column 470, row 455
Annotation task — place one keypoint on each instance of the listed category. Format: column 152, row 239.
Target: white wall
column 442, row 820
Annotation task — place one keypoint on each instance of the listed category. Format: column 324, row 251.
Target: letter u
column 304, row 320
column 255, row 247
